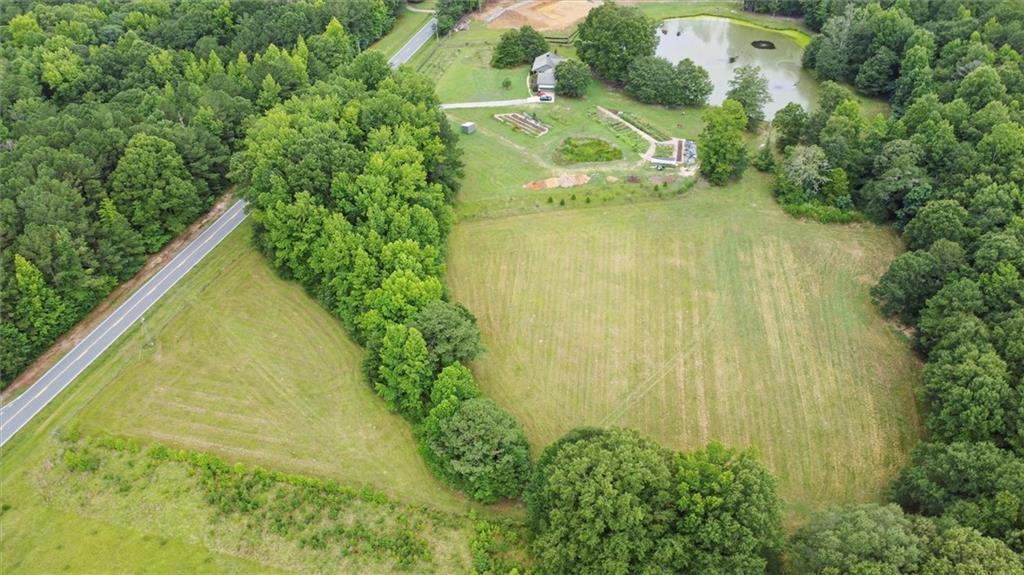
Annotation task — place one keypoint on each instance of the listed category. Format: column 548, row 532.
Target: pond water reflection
column 713, row 42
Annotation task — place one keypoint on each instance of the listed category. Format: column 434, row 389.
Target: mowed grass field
column 713, row 317
column 243, row 364
column 461, row 66
column 236, row 362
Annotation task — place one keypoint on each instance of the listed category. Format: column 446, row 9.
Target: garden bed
column 584, row 150
column 644, row 125
column 631, row 139
column 524, row 123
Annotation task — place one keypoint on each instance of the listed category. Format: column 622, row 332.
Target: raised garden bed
column 644, row 125
column 522, row 122
column 665, row 151
column 631, row 139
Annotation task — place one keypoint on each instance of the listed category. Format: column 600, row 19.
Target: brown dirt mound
column 545, row 15
column 562, row 181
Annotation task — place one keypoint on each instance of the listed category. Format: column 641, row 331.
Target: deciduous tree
column 611, row 37
column 722, row 152
column 749, row 87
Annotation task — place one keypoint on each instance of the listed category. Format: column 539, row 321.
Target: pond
column 721, row 45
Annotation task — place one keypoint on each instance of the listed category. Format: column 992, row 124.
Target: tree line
column 618, row 44
column 117, row 123
column 351, row 185
column 946, row 170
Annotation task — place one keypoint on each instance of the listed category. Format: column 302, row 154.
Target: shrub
column 824, row 214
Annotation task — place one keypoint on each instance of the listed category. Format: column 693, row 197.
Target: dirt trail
column 71, row 338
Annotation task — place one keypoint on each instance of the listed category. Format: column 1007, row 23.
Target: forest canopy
column 117, row 124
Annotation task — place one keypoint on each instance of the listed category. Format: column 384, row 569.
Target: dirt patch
column 74, row 335
column 688, row 171
column 658, row 180
column 562, row 181
column 544, row 15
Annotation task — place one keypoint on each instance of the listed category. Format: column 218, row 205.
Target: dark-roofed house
column 544, row 68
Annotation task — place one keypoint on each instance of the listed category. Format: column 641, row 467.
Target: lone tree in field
column 750, row 88
column 722, row 153
column 612, row 37
column 572, row 78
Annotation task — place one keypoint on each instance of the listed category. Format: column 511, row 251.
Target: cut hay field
column 235, row 362
column 709, row 317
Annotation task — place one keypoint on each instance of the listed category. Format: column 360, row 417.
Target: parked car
column 546, row 97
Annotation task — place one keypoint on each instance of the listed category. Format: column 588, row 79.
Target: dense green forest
column 947, row 170
column 117, row 123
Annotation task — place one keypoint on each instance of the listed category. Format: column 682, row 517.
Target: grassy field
column 236, row 362
column 710, row 317
column 461, row 66
column 499, row 160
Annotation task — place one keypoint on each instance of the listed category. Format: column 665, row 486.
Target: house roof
column 546, row 61
column 546, row 77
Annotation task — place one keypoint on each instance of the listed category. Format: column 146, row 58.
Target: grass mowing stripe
column 710, row 317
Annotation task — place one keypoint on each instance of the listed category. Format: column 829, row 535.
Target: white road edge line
column 139, row 297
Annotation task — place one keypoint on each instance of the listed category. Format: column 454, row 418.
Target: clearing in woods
column 714, row 316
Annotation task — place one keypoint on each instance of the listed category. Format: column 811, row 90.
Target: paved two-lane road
column 414, row 44
column 17, row 413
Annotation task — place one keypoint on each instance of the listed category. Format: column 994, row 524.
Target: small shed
column 469, row 127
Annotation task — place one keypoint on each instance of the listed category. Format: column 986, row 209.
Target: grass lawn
column 500, row 160
column 461, row 66
column 406, row 25
column 234, row 361
column 709, row 317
